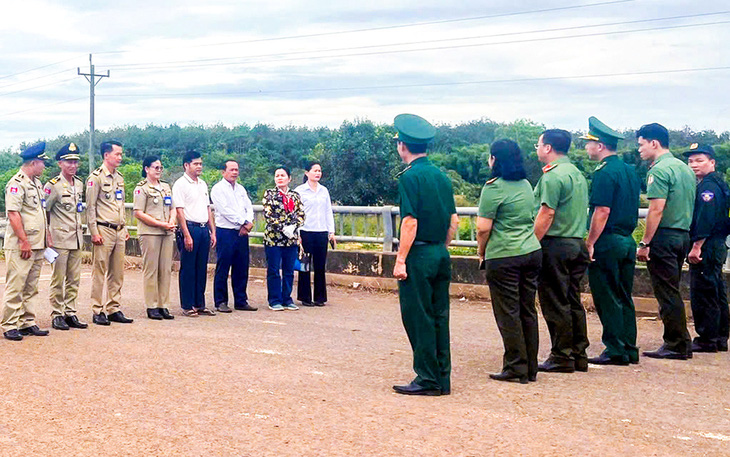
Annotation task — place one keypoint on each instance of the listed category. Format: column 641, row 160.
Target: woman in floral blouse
column 284, row 214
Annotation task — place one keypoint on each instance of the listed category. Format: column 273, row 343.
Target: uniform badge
column 72, row 147
column 43, row 203
column 600, row 165
column 137, row 191
column 13, row 190
column 490, row 181
column 693, row 146
column 80, row 207
column 547, row 168
column 650, row 180
column 47, row 191
column 168, row 200
column 707, row 196
column 156, row 200
column 91, row 183
column 119, row 195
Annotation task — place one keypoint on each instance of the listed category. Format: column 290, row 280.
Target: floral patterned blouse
column 277, row 217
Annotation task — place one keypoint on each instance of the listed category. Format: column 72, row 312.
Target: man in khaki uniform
column 105, row 212
column 25, row 240
column 64, row 206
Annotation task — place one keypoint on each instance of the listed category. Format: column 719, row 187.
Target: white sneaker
column 276, row 307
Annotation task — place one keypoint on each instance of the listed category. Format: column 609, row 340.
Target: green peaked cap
column 413, row 129
column 598, row 131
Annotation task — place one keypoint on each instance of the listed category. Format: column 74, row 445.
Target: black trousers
column 194, row 268
column 564, row 262
column 667, row 252
column 314, row 243
column 512, row 285
column 231, row 250
column 708, row 294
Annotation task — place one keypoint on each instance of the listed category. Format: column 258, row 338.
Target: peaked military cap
column 598, row 131
column 37, row 151
column 695, row 148
column 413, row 129
column 68, row 152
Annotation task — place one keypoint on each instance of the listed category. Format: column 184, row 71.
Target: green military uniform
column 615, row 185
column 157, row 243
column 105, row 214
column 426, row 195
column 563, row 188
column 23, row 195
column 672, row 180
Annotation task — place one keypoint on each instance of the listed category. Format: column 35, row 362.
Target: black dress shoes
column 664, row 353
column 120, row 317
column 100, row 319
column 154, row 314
column 604, row 359
column 13, row 335
column 308, row 304
column 722, row 346
column 33, row 330
column 415, row 389
column 581, row 364
column 165, row 313
column 74, row 322
column 59, row 323
column 703, row 347
column 510, row 377
column 553, row 366
column 223, row 308
column 318, row 303
column 245, row 307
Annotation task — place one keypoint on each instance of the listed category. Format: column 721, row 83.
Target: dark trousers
column 194, row 268
column 512, row 285
column 314, row 243
column 564, row 262
column 279, row 286
column 667, row 252
column 424, row 305
column 611, row 277
column 708, row 294
column 231, row 250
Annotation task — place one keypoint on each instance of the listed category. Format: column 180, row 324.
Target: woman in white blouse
column 318, row 229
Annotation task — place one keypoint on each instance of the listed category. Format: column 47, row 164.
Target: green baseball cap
column 598, row 131
column 413, row 129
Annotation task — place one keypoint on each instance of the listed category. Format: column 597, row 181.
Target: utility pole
column 93, row 79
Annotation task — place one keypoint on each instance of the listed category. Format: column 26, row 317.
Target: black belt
column 116, row 227
column 197, row 224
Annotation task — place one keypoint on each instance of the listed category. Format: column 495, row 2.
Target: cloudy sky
column 317, row 63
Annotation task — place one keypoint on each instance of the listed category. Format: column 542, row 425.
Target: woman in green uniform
column 155, row 228
column 512, row 258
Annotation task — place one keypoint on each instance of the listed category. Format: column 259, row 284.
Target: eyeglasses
column 537, row 146
column 158, row 168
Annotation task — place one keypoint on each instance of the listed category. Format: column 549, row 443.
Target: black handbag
column 304, row 261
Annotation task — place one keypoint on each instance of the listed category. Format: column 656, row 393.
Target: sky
column 317, row 63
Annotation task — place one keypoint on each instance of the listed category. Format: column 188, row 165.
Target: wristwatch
column 643, row 245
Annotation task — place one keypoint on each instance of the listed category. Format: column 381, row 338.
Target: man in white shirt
column 233, row 222
column 196, row 224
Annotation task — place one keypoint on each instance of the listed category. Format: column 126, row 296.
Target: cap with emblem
column 413, row 129
column 696, row 148
column 37, row 151
column 68, row 152
column 598, row 131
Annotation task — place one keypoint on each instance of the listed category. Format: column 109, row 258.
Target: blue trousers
column 232, row 252
column 194, row 268
column 279, row 287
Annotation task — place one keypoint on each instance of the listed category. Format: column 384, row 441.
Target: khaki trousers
column 21, row 285
column 108, row 263
column 157, row 268
column 65, row 280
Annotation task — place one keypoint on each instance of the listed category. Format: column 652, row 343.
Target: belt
column 116, row 227
column 424, row 243
column 197, row 224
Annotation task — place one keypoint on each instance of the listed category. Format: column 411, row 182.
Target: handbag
column 303, row 262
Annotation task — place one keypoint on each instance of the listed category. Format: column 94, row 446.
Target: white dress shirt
column 232, row 206
column 317, row 209
column 192, row 197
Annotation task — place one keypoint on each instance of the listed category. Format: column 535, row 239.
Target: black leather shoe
column 308, row 304
column 552, row 366
column 74, row 322
column 245, row 307
column 722, row 346
column 59, row 323
column 33, row 330
column 509, row 376
column 415, row 389
column 165, row 313
column 154, row 314
column 446, row 391
column 604, row 359
column 13, row 335
column 223, row 308
column 100, row 319
column 318, row 303
column 120, row 317
column 581, row 364
column 663, row 353
column 532, row 377
column 703, row 347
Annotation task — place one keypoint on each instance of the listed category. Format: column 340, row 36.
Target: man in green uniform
column 670, row 188
column 64, row 206
column 25, row 240
column 614, row 212
column 560, row 224
column 423, row 267
column 707, row 233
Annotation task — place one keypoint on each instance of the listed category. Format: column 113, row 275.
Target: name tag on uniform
column 43, row 203
column 168, row 200
column 79, row 207
column 119, row 195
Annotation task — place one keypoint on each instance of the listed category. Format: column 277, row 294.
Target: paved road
column 318, row 382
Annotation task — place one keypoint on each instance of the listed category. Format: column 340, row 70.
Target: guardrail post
column 387, row 229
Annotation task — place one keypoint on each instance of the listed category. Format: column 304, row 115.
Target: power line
column 36, row 78
column 38, row 68
column 43, row 106
column 36, row 87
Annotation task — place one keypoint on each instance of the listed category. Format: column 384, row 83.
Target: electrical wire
column 43, row 106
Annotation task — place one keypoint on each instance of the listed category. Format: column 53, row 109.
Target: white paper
column 50, row 255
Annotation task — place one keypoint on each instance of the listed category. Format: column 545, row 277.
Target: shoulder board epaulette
column 547, row 168
column 142, row 183
column 78, row 179
column 490, row 181
column 400, row 173
column 18, row 178
column 120, row 174
column 96, row 172
column 55, row 180
column 600, row 165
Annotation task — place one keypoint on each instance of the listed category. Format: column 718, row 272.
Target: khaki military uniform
column 157, row 243
column 64, row 206
column 105, row 212
column 24, row 195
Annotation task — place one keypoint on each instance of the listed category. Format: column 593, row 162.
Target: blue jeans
column 232, row 252
column 194, row 268
column 279, row 287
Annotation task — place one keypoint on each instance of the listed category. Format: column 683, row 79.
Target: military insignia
column 90, row 183
column 398, row 175
column 707, row 196
column 47, row 190
column 650, row 180
column 137, row 191
column 490, row 181
column 693, row 146
column 547, row 168
column 72, row 147
column 54, row 180
column 13, row 190
column 600, row 165
column 156, row 200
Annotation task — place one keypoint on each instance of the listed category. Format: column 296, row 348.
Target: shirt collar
column 105, row 170
column 610, row 157
column 190, row 180
column 662, row 157
column 419, row 161
column 561, row 159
